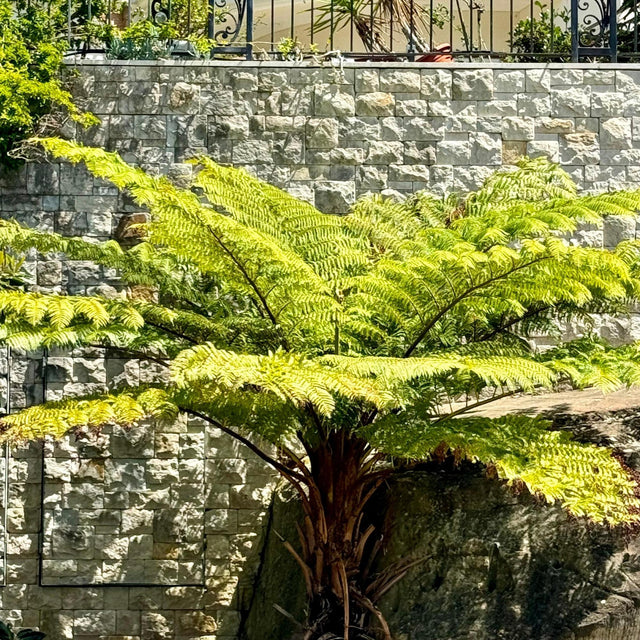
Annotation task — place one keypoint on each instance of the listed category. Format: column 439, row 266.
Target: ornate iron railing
column 424, row 30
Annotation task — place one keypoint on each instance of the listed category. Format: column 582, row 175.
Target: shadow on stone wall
column 503, row 567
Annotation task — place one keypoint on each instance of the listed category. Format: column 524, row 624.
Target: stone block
column 161, row 571
column 474, row 84
column 615, row 133
column 408, row 173
column 136, row 442
column 182, row 598
column 184, row 97
column 400, row 81
column 555, row 125
column 157, row 626
column 627, row 81
column 499, row 106
column 566, row 77
column 486, row 149
column 94, row 623
column 595, row 77
column 195, row 623
column 191, row 471
column 367, row 80
column 49, row 273
column 513, row 150
column 571, row 101
column 148, row 127
column 436, row 84
column 535, row 104
column 511, row 82
column 391, row 129
column 244, row 80
column 350, row 156
column 420, row 153
column 372, row 178
column 246, row 496
column 234, row 127
column 167, row 445
column 333, row 100
column 420, row 129
column 607, row 104
column 518, row 128
column 283, row 123
column 537, row 80
column 72, row 542
column 375, row 104
column 385, row 152
column 83, row 496
column 453, row 152
column 549, row 149
column 334, row 197
column 250, row 151
column 352, row 129
column 125, row 475
column 322, row 133
column 406, row 106
column 579, row 149
column 111, row 547
column 617, row 229
column 135, row 521
column 161, row 472
column 122, row 127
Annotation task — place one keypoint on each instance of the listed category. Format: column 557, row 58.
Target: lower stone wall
column 150, row 533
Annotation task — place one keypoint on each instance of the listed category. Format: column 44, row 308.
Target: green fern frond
column 587, row 480
column 55, row 419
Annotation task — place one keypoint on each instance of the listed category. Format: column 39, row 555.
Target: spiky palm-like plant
column 346, row 342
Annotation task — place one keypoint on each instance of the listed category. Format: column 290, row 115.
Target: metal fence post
column 250, row 29
column 613, row 29
column 575, row 34
column 210, row 19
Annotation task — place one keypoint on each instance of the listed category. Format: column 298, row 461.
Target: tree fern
column 347, row 342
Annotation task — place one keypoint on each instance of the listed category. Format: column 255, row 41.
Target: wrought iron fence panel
column 421, row 30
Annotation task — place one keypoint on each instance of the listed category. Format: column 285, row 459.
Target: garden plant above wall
column 32, row 97
column 332, row 345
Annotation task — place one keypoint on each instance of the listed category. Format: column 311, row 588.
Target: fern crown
column 392, row 322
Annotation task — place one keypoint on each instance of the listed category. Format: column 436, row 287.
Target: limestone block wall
column 330, row 134
column 153, row 534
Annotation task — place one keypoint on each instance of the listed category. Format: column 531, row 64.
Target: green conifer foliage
column 334, row 345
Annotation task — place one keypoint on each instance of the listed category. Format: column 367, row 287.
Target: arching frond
column 587, row 480
column 55, row 419
column 289, row 377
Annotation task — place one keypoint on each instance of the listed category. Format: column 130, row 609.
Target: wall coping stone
column 350, row 64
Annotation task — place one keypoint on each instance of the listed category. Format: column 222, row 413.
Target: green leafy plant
column 142, row 40
column 7, row 633
column 293, row 49
column 31, row 93
column 542, row 35
column 332, row 346
column 290, row 48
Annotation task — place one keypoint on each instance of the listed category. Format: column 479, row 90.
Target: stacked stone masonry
column 153, row 534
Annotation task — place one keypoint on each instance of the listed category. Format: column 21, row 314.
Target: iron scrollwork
column 228, row 19
column 160, row 12
column 594, row 30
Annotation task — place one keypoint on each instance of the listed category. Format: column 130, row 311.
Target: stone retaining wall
column 331, row 134
column 136, row 536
